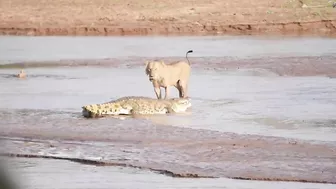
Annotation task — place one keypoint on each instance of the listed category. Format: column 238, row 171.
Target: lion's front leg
column 167, row 92
column 157, row 92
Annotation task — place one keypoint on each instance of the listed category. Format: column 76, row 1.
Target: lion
column 176, row 74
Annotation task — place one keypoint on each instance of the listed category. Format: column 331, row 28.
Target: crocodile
column 136, row 105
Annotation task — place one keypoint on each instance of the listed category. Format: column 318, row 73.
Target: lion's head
column 154, row 69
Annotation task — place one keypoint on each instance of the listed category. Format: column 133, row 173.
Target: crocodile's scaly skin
column 133, row 105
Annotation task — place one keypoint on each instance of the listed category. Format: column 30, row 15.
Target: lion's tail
column 190, row 51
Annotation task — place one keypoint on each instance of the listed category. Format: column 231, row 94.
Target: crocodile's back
column 119, row 106
column 130, row 98
column 132, row 105
column 150, row 106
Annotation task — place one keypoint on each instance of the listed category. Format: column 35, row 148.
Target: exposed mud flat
column 180, row 152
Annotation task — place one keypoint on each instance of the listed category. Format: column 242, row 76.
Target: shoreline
column 324, row 28
column 270, row 65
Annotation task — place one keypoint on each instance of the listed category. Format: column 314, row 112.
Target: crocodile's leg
column 170, row 110
column 139, row 111
column 136, row 112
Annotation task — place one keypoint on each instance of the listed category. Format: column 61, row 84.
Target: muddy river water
column 262, row 109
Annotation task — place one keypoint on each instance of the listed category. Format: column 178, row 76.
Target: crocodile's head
column 180, row 104
column 101, row 110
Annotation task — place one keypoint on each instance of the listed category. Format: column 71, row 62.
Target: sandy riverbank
column 205, row 154
column 159, row 17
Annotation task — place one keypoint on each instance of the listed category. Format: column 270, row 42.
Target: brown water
column 260, row 107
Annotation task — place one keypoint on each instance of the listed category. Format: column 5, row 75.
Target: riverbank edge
column 158, row 171
column 319, row 28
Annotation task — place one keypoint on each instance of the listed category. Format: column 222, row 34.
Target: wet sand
column 268, row 116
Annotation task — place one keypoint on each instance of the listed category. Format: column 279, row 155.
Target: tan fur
column 176, row 74
column 22, row 74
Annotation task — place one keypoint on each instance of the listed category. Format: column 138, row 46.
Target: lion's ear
column 162, row 63
column 146, row 63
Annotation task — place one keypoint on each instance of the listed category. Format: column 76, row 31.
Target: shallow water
column 299, row 107
column 247, row 100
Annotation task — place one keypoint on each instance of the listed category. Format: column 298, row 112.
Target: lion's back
column 178, row 70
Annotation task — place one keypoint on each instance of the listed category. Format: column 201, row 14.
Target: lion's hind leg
column 182, row 86
column 179, row 88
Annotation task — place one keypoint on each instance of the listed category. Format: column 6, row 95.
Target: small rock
column 304, row 6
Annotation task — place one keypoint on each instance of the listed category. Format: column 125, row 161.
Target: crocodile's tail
column 105, row 109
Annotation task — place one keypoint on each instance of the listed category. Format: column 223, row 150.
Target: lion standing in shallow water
column 164, row 75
